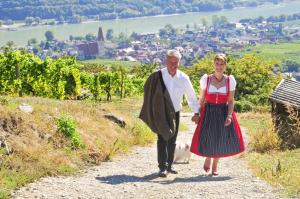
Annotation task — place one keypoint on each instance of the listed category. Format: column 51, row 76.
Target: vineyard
column 23, row 73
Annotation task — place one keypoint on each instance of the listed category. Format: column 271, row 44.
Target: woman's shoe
column 207, row 162
column 206, row 168
column 214, row 168
column 214, row 173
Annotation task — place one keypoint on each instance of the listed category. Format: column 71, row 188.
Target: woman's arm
column 230, row 108
column 201, row 98
column 195, row 118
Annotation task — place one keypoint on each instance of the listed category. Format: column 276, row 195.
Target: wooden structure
column 285, row 101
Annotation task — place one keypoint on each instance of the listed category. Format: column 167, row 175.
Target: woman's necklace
column 219, row 81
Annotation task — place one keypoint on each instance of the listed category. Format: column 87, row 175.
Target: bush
column 242, row 106
column 67, row 126
column 264, row 140
column 142, row 134
column 3, row 101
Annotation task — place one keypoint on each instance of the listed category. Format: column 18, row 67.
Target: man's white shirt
column 180, row 85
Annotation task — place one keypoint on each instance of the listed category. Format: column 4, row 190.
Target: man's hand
column 195, row 118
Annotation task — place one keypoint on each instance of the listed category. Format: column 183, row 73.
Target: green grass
column 3, row 194
column 279, row 52
column 253, row 121
column 142, row 134
column 279, row 168
column 111, row 62
column 292, row 23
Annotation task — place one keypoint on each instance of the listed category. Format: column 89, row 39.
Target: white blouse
column 213, row 89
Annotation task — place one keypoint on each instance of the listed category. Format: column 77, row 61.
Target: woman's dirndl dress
column 212, row 138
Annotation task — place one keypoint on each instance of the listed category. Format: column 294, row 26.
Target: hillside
column 37, row 148
column 286, row 53
column 104, row 9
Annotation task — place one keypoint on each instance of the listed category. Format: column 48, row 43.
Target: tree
column 167, row 32
column 71, row 38
column 47, row 45
column 255, row 78
column 228, row 5
column 90, row 37
column 61, row 19
column 253, row 74
column 292, row 66
column 76, row 19
column 134, row 35
column 122, row 37
column 29, row 21
column 204, row 21
column 32, row 41
column 109, row 34
column 215, row 20
column 252, row 4
column 37, row 20
column 49, row 35
column 219, row 21
column 0, row 23
column 223, row 21
column 282, row 18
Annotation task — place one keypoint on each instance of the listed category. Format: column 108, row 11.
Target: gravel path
column 135, row 176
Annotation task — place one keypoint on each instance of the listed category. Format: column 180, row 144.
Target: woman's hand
column 195, row 118
column 228, row 120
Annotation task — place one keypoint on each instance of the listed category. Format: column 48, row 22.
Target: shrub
column 3, row 101
column 67, row 126
column 242, row 106
column 142, row 134
column 264, row 140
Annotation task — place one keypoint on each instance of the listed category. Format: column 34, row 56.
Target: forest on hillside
column 111, row 9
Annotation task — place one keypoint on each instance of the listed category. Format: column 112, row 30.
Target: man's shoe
column 172, row 170
column 162, row 173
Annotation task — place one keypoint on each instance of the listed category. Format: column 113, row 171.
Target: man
column 163, row 94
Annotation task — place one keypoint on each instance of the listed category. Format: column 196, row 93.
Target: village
column 192, row 41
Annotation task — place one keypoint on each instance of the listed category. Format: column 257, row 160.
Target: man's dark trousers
column 166, row 149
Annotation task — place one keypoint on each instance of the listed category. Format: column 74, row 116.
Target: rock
column 85, row 93
column 26, row 108
column 4, row 144
column 115, row 119
column 45, row 136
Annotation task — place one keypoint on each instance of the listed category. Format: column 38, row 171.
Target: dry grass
column 280, row 168
column 294, row 125
column 38, row 150
column 263, row 137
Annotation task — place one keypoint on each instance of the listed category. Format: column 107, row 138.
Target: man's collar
column 176, row 75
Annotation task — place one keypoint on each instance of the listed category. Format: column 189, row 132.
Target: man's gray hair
column 174, row 53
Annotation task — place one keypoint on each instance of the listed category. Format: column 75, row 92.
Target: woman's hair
column 221, row 57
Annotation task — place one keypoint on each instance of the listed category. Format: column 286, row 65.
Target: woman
column 218, row 133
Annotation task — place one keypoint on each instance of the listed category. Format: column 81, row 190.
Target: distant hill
column 109, row 9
